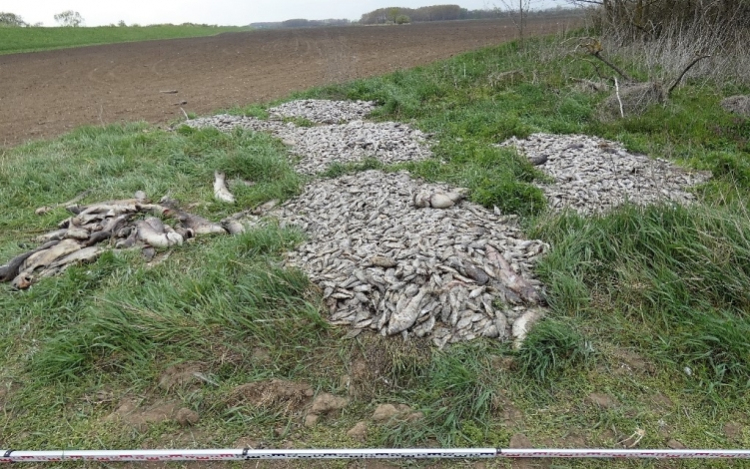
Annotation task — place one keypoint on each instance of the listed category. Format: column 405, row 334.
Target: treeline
column 431, row 13
column 301, row 23
column 443, row 13
column 651, row 19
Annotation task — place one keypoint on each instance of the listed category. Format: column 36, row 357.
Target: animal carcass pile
column 593, row 175
column 115, row 224
column 344, row 138
column 404, row 257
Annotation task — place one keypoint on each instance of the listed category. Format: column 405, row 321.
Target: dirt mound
column 286, row 395
column 131, row 413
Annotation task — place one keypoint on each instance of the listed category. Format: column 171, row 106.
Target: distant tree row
column 441, row 13
column 68, row 18
column 431, row 13
column 303, row 23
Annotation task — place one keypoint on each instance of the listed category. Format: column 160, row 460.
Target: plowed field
column 47, row 93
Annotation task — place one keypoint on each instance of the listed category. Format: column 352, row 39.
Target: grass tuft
column 552, row 347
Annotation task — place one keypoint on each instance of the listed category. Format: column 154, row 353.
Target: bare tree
column 69, row 18
column 519, row 13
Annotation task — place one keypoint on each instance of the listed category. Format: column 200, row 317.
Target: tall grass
column 681, row 273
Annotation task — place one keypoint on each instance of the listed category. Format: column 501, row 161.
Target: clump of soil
column 379, row 365
column 287, row 396
column 180, row 376
column 129, row 412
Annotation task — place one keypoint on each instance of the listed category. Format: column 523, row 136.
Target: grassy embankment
column 16, row 40
column 636, row 296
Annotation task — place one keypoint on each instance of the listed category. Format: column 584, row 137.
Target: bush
column 403, row 19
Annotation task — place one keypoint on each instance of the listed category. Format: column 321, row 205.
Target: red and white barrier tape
column 10, row 456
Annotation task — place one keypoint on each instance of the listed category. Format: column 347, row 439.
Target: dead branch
column 614, row 67
column 682, row 75
column 617, row 92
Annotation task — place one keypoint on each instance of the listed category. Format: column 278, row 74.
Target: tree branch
column 612, row 66
column 679, row 79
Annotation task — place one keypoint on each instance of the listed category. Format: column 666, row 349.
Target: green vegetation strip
column 649, row 306
column 31, row 39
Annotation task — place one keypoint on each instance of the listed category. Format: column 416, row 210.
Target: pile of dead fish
column 404, row 257
column 593, row 175
column 320, row 146
column 115, row 224
column 323, row 111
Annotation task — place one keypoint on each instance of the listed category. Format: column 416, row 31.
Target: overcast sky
column 222, row 12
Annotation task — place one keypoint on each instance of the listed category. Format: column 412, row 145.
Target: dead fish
column 159, row 210
column 522, row 326
column 186, row 233
column 457, row 195
column 52, row 235
column 114, row 225
column 233, row 227
column 148, row 252
column 173, row 236
column 97, row 238
column 129, row 242
column 155, row 233
column 421, row 199
column 77, row 233
column 26, row 279
column 513, row 281
column 199, row 225
column 115, row 207
column 404, row 319
column 538, row 160
column 220, row 188
column 22, row 281
column 81, row 256
column 150, row 236
column 46, row 257
column 155, row 223
column 10, row 270
column 440, row 200
column 475, row 273
column 383, row 261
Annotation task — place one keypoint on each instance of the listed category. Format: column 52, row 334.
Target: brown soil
column 288, row 395
column 130, row 413
column 47, row 93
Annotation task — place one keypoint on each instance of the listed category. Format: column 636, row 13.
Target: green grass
column 636, row 296
column 16, row 40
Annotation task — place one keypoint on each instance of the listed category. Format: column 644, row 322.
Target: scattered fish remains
column 323, row 111
column 115, row 224
column 593, row 175
column 387, row 259
column 320, row 146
